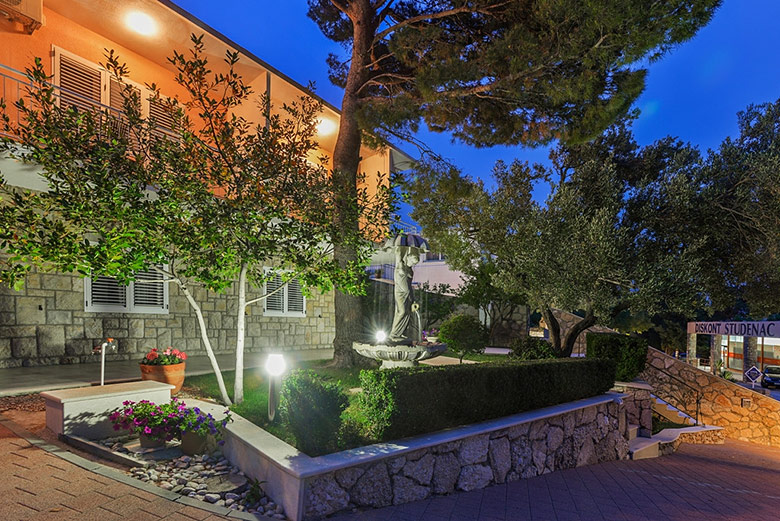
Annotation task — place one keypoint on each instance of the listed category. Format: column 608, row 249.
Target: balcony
column 15, row 86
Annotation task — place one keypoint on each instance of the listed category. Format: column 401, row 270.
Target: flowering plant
column 168, row 357
column 145, row 417
column 431, row 332
column 203, row 424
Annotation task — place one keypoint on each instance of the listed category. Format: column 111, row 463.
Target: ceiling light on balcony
column 326, row 127
column 141, row 23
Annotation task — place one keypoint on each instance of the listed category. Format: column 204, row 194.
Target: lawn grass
column 255, row 405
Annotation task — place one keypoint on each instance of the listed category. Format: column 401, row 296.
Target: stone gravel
column 205, row 477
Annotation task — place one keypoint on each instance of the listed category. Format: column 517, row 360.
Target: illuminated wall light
column 326, row 127
column 141, row 23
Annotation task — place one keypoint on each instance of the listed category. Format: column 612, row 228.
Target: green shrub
column 629, row 353
column 531, row 348
column 463, row 334
column 402, row 402
column 311, row 411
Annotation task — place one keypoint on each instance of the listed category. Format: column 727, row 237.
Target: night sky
column 694, row 92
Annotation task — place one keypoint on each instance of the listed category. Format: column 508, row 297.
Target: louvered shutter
column 106, row 294
column 149, row 292
column 80, row 85
column 117, row 101
column 160, row 111
column 296, row 303
column 275, row 302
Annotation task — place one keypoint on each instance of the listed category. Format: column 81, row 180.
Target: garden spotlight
column 274, row 366
column 381, row 336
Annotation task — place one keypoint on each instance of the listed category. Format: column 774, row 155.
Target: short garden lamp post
column 274, row 366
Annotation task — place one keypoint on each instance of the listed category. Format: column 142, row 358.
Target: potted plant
column 164, row 366
column 198, row 428
column 154, row 424
column 431, row 336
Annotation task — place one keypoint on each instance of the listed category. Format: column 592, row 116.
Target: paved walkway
column 24, row 380
column 38, row 485
column 735, row 481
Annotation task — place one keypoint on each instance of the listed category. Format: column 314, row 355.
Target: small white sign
column 753, row 374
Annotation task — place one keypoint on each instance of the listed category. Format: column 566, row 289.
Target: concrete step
column 633, row 430
column 670, row 412
column 643, row 448
column 664, row 441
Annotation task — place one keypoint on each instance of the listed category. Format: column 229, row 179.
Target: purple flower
column 147, row 430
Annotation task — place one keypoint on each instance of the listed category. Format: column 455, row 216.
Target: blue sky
column 694, row 92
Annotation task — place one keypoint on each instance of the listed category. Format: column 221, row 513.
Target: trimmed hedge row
column 397, row 403
column 629, row 353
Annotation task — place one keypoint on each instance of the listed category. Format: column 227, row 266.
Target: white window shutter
column 81, row 85
column 275, row 302
column 149, row 292
column 296, row 302
column 162, row 115
column 105, row 294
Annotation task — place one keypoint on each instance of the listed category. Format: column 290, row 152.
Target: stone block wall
column 639, row 405
column 588, row 435
column 45, row 324
column 744, row 414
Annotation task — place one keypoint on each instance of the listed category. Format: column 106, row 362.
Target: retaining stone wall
column 708, row 437
column 585, row 436
column 744, row 415
column 45, row 324
column 639, row 405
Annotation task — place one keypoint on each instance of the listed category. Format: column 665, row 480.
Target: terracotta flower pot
column 148, row 442
column 168, row 374
column 193, row 443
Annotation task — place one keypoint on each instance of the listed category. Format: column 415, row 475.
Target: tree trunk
column 238, row 385
column 576, row 330
column 206, row 342
column 346, row 159
column 554, row 328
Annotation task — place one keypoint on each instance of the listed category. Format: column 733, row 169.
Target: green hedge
column 402, row 402
column 629, row 353
column 310, row 409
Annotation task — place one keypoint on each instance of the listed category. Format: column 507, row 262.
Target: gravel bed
column 23, row 402
column 209, row 478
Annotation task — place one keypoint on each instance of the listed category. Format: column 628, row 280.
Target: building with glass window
column 738, row 345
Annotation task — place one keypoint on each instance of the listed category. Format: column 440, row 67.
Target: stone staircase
column 667, row 441
column 670, row 412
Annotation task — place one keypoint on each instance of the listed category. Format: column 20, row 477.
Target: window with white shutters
column 284, row 300
column 81, row 85
column 146, row 294
column 88, row 86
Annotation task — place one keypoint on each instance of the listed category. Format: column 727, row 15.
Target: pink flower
column 147, row 430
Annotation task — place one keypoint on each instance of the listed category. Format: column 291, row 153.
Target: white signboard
column 765, row 328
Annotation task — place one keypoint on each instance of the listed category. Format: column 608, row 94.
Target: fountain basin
column 399, row 355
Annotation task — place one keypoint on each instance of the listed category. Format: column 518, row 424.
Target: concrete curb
column 116, row 475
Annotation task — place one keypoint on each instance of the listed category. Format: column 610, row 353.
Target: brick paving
column 37, row 485
column 735, row 481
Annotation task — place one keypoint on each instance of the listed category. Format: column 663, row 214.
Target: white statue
column 407, row 248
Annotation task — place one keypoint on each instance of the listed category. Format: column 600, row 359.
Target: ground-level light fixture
column 381, row 336
column 141, row 23
column 274, row 366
